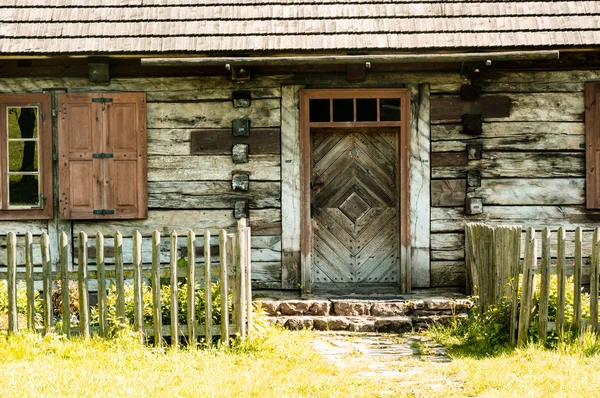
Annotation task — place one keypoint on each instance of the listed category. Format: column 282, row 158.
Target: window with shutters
column 26, row 157
column 592, row 151
column 102, row 156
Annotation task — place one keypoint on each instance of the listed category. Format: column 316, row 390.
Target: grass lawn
column 283, row 365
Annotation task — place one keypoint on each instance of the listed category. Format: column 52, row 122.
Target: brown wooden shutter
column 102, row 156
column 126, row 140
column 592, row 152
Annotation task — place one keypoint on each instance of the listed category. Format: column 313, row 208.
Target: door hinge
column 102, row 155
column 104, row 212
column 102, row 100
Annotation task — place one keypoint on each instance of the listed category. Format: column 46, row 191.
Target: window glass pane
column 23, row 190
column 343, row 110
column 22, row 156
column 389, row 109
column 319, row 110
column 366, row 110
column 22, row 122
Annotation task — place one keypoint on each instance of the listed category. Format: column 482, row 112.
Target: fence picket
column 224, row 288
column 241, row 282
column 577, row 280
column 29, row 281
column 82, row 284
column 208, row 290
column 65, row 296
column 544, row 284
column 248, row 291
column 47, row 283
column 234, row 277
column 527, row 287
column 11, row 254
column 102, row 302
column 138, row 322
column 594, row 279
column 120, row 278
column 174, row 290
column 191, row 288
column 156, row 310
column 561, row 280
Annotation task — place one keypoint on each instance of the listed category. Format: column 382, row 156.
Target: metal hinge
column 102, row 155
column 104, row 212
column 102, row 100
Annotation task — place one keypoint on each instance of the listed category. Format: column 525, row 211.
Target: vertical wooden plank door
column 356, row 171
column 355, row 206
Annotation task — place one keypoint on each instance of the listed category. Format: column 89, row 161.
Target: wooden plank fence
column 232, row 270
column 530, row 272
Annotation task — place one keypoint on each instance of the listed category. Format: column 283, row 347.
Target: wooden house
column 358, row 137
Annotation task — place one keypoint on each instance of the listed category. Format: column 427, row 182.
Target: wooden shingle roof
column 43, row 27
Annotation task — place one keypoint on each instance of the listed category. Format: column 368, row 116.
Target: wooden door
column 355, row 206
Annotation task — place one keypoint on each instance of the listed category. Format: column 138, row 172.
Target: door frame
column 403, row 158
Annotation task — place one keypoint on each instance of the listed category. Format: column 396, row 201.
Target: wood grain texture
column 211, row 195
column 215, row 115
column 211, row 168
column 420, row 178
column 354, row 212
column 220, row 141
column 521, row 136
column 518, row 164
column 262, row 221
column 290, row 186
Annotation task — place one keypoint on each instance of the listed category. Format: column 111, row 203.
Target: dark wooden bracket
column 241, row 209
column 356, row 73
column 240, row 182
column 473, row 178
column 239, row 153
column 474, row 151
column 472, row 124
column 240, row 74
column 240, row 126
column 450, row 109
column 469, row 92
column 241, row 99
column 474, row 206
column 99, row 70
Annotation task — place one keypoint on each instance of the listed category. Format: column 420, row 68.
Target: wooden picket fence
column 483, row 242
column 233, row 273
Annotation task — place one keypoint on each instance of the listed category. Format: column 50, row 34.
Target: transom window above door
column 355, row 107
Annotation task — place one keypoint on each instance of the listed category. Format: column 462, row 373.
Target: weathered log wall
column 532, row 164
column 193, row 189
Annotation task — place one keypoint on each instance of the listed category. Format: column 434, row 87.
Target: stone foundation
column 396, row 316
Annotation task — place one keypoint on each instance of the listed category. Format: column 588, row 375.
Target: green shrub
column 21, row 299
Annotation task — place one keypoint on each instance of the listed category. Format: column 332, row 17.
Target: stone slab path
column 399, row 359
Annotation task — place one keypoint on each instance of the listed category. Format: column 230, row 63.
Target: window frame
column 44, row 130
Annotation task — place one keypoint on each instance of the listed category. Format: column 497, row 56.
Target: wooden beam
column 290, row 186
column 352, row 59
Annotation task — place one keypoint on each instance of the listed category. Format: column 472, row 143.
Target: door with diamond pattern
column 355, row 206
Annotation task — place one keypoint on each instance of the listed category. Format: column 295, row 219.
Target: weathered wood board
column 519, row 164
column 220, row 141
column 211, row 168
column 520, row 136
column 207, row 115
column 211, row 194
column 262, row 222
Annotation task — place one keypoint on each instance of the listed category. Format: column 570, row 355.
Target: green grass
column 282, row 365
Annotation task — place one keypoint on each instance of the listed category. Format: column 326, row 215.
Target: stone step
column 397, row 316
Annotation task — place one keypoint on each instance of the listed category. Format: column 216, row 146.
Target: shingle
column 154, row 26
